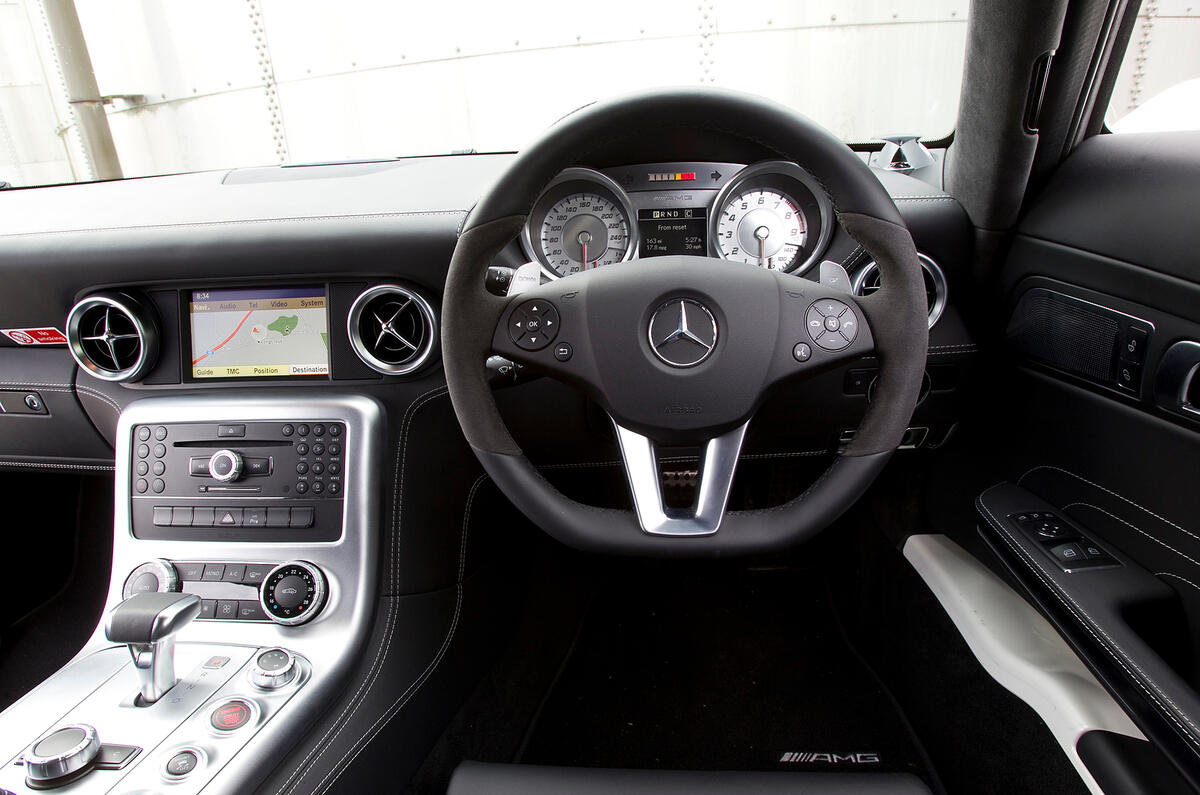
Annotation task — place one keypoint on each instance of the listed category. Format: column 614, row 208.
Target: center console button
column 190, row 571
column 145, row 583
column 257, row 572
column 151, row 577
column 208, row 608
column 162, row 516
column 229, row 517
column 213, row 572
column 302, row 517
column 250, row 610
column 227, row 609
column 230, row 431
column 204, row 517
column 61, row 756
column 142, row 467
column 335, row 429
column 279, row 517
column 181, row 517
column 287, row 430
column 302, row 429
column 234, row 572
column 318, row 430
column 232, row 715
column 254, row 517
column 182, row 764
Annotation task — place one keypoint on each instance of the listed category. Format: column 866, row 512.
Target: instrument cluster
column 773, row 214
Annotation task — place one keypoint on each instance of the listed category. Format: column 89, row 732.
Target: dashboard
column 771, row 213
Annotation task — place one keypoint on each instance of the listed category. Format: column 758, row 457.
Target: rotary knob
column 273, row 668
column 293, row 592
column 153, row 576
column 61, row 757
column 225, row 466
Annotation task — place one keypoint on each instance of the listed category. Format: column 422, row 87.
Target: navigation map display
column 259, row 333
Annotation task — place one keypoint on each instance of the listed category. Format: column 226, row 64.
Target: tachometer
column 583, row 220
column 773, row 214
column 763, row 227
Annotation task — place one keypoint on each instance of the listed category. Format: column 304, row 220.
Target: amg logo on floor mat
column 816, row 757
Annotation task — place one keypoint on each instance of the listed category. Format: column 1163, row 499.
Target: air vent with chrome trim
column 867, row 281
column 392, row 329
column 113, row 336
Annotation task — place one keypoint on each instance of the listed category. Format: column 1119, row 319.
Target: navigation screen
column 681, row 230
column 259, row 333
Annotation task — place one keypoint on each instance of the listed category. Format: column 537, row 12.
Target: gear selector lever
column 148, row 623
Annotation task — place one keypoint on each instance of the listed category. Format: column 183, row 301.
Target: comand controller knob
column 153, row 576
column 273, row 668
column 64, row 755
column 225, row 466
column 293, row 592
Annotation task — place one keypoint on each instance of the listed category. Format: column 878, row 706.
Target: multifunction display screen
column 259, row 332
column 681, row 230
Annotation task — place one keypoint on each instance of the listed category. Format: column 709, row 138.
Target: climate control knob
column 153, row 576
column 225, row 466
column 293, row 592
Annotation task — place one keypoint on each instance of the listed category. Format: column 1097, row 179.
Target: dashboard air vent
column 867, row 281
column 113, row 336
column 393, row 329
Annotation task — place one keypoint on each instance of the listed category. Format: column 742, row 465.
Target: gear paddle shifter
column 148, row 622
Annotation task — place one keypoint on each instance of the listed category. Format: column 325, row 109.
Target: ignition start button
column 231, row 716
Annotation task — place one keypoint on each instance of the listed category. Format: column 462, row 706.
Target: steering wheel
column 682, row 350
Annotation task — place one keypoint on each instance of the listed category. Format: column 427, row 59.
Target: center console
column 242, row 586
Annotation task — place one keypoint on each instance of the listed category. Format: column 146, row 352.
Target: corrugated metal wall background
column 224, row 83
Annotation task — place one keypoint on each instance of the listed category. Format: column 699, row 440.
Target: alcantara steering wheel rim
column 610, row 314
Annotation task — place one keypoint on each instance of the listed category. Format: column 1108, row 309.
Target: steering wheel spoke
column 718, row 464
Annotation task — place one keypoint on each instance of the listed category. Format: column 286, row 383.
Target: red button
column 231, row 715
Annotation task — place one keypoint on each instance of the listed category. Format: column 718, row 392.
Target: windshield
column 100, row 89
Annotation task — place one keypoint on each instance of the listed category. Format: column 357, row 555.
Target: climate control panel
column 290, row 593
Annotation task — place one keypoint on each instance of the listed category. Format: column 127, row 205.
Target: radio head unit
column 239, row 481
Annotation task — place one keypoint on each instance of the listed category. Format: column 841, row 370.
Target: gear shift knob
column 148, row 622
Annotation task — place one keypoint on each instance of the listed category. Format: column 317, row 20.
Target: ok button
column 832, row 323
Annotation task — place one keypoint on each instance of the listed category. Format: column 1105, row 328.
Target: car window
column 186, row 86
column 1158, row 86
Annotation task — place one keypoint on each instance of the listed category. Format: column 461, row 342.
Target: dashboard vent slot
column 113, row 336
column 393, row 329
column 867, row 281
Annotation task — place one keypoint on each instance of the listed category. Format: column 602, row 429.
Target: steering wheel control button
column 231, row 715
column 563, row 351
column 533, row 325
column 182, row 764
column 293, row 593
column 61, row 757
column 273, row 669
column 682, row 332
column 802, row 352
column 831, row 324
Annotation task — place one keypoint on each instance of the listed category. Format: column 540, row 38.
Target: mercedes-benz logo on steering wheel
column 683, row 332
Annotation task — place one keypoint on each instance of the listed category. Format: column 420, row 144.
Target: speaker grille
column 1066, row 333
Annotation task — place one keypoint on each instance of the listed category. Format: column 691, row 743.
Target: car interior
column 686, row 449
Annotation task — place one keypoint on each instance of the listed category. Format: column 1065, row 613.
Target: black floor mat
column 744, row 673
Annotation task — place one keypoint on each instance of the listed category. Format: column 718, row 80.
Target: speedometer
column 763, row 227
column 773, row 214
column 582, row 220
column 582, row 231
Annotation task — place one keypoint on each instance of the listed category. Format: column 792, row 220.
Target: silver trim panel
column 1018, row 647
column 713, row 483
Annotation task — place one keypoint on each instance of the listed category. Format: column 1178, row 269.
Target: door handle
column 1176, row 387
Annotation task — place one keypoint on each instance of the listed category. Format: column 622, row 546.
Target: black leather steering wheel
column 739, row 321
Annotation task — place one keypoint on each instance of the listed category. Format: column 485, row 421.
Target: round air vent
column 393, row 329
column 113, row 336
column 867, row 281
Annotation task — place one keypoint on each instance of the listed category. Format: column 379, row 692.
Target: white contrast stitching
column 938, row 198
column 419, row 682
column 97, row 394
column 102, row 467
column 1176, row 576
column 1109, row 491
column 30, row 384
column 351, row 708
column 1091, row 626
column 1131, row 526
